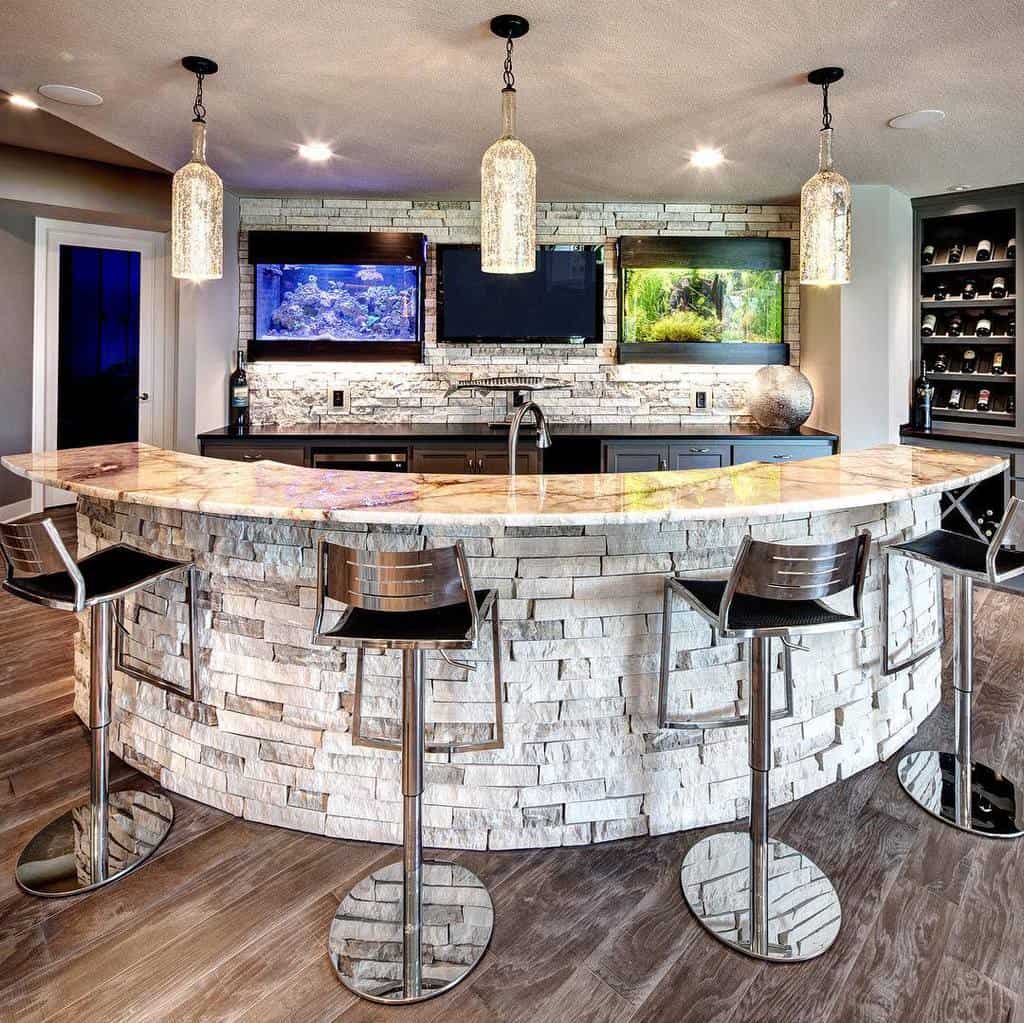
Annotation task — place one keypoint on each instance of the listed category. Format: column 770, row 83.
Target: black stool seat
column 451, row 625
column 960, row 553
column 108, row 574
column 749, row 612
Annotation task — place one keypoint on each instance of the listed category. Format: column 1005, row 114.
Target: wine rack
column 956, row 288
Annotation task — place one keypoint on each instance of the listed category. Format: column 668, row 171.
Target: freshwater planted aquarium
column 687, row 304
column 337, row 302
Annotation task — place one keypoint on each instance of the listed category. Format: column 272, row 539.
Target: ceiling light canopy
column 22, row 102
column 72, row 95
column 917, row 119
column 825, row 205
column 508, row 179
column 706, row 157
column 315, row 152
column 197, row 198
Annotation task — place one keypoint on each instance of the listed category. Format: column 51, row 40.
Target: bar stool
column 114, row 833
column 951, row 786
column 442, row 913
column 754, row 893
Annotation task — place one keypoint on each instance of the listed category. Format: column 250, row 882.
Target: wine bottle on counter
column 941, row 363
column 1011, row 249
column 998, row 366
column 983, row 252
column 928, row 325
column 969, row 290
column 940, row 291
column 984, row 397
column 984, row 328
column 955, row 326
column 238, row 397
column 928, row 255
column 924, row 395
column 956, row 252
column 954, row 398
column 970, row 361
column 998, row 287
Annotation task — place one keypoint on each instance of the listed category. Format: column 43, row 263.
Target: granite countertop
column 141, row 474
column 456, row 431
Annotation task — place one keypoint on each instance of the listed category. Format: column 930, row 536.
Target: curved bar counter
column 579, row 562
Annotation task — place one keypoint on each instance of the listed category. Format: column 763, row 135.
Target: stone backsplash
column 597, row 389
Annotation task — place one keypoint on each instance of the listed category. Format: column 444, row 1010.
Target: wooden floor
column 229, row 922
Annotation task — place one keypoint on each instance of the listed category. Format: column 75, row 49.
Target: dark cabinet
column 779, row 450
column 256, row 453
column 482, row 459
column 635, row 456
column 652, row 456
column 698, row 456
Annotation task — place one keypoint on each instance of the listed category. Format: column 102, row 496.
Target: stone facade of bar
column 269, row 736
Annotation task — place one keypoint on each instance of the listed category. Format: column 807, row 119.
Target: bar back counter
column 579, row 564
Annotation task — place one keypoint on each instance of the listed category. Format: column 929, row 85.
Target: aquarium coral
column 337, row 302
column 684, row 304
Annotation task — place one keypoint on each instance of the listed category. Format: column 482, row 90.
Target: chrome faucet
column 543, row 437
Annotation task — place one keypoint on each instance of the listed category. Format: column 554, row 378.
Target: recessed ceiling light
column 706, row 157
column 918, row 119
column 23, row 101
column 316, row 152
column 71, row 95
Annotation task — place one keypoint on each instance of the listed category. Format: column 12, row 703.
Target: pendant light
column 508, row 179
column 197, row 198
column 825, row 205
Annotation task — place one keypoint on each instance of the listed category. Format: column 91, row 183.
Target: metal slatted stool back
column 113, row 834
column 952, row 786
column 754, row 893
column 415, row 602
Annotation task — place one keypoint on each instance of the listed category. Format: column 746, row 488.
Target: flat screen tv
column 560, row 302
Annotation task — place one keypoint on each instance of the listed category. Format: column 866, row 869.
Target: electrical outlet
column 337, row 399
column 701, row 399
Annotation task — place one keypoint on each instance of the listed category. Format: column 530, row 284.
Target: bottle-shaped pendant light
column 197, row 198
column 825, row 205
column 508, row 179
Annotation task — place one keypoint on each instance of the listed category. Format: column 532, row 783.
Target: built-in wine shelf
column 954, row 297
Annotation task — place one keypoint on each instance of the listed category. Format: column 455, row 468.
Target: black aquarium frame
column 383, row 248
column 719, row 253
column 595, row 247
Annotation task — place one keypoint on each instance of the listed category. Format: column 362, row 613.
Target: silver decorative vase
column 780, row 398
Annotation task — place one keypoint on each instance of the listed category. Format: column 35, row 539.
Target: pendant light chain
column 508, row 75
column 199, row 108
column 826, row 114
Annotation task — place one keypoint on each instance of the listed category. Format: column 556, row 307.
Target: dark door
column 98, row 358
column 443, row 458
column 698, row 456
column 635, row 456
column 492, row 459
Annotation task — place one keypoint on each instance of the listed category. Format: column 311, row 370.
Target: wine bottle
column 984, row 395
column 1011, row 404
column 969, row 290
column 998, row 287
column 1011, row 249
column 1011, row 328
column 954, row 398
column 956, row 252
column 940, row 291
column 928, row 325
column 983, row 252
column 928, row 255
column 970, row 361
column 998, row 367
column 941, row 363
column 924, row 395
column 984, row 328
column 238, row 397
column 956, row 326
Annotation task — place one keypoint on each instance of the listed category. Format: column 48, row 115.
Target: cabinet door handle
column 700, row 451
column 662, row 464
column 782, row 457
column 251, row 456
column 469, row 464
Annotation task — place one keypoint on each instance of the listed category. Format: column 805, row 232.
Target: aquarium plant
column 688, row 304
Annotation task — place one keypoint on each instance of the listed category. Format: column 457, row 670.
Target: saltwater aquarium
column 686, row 304
column 337, row 302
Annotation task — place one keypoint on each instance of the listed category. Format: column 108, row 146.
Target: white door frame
column 156, row 333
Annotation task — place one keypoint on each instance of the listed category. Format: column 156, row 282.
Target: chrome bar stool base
column 978, row 800
column 804, row 914
column 365, row 943
column 58, row 861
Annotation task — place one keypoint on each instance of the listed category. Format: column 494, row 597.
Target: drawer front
column 635, row 456
column 443, row 458
column 696, row 455
column 254, row 453
column 779, row 451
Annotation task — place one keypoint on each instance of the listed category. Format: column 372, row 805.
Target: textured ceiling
column 613, row 94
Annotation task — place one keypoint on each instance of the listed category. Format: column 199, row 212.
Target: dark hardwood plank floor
column 229, row 921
